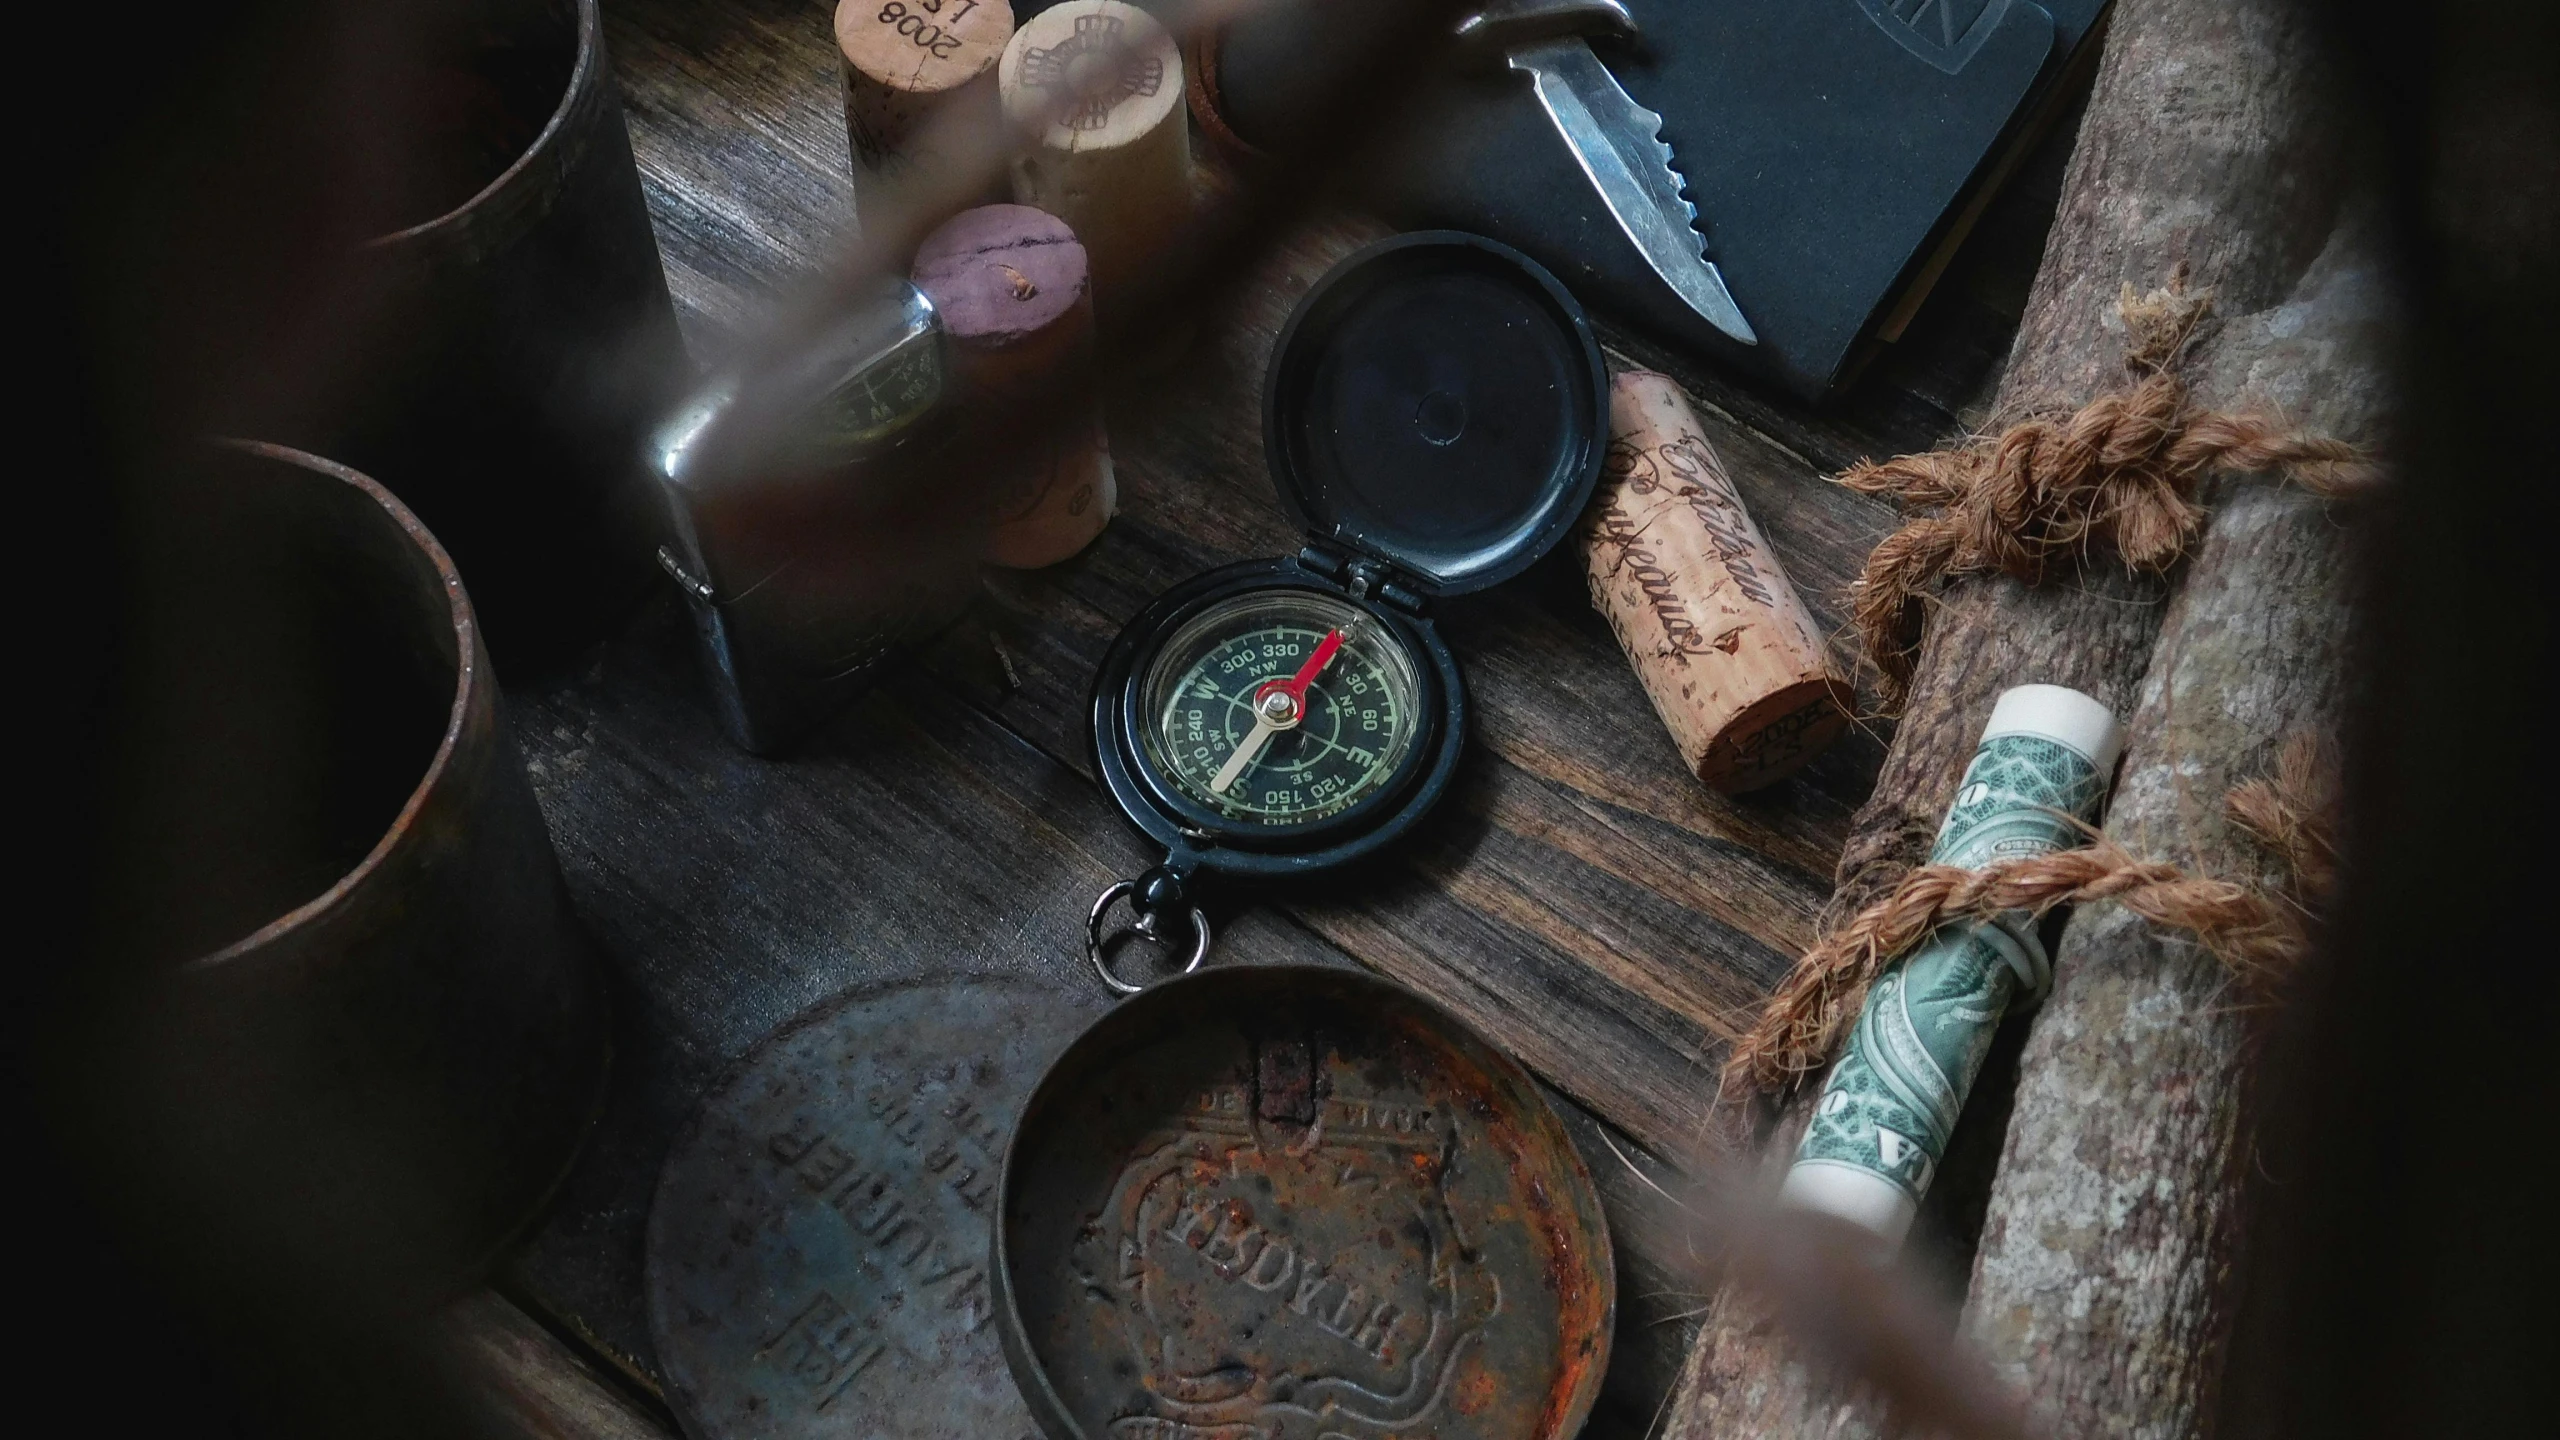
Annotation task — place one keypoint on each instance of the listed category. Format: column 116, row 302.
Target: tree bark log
column 2101, row 1287
column 2202, row 151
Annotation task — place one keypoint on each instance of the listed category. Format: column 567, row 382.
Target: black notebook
column 1831, row 148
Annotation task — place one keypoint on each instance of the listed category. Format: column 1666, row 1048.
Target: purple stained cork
column 1005, row 276
column 1012, row 288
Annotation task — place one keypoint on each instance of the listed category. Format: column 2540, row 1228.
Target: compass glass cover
column 1208, row 689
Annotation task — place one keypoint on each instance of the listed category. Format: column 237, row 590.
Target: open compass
column 1283, row 708
column 1434, row 419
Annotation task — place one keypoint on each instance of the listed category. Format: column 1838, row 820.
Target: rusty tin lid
column 1284, row 1203
column 817, row 1252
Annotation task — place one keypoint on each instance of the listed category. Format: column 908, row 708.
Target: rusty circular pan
column 506, row 337
column 1285, row 1203
column 372, row 1035
column 817, row 1252
column 506, row 90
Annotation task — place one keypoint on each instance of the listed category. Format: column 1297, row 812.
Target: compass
column 1284, row 708
column 1433, row 419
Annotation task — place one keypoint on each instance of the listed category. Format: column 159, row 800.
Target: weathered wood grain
column 1579, row 897
column 2102, row 1287
column 2200, row 151
column 912, row 837
column 750, row 185
column 1578, row 784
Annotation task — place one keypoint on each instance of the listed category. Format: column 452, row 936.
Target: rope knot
column 2119, row 473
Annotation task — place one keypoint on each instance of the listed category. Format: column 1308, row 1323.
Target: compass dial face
column 1226, row 724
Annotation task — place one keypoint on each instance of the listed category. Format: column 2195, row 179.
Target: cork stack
column 1099, row 84
column 907, row 62
column 1011, row 286
column 1734, row 664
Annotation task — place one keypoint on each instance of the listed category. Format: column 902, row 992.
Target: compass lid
column 1437, row 402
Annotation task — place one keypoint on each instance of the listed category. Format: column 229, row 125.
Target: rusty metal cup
column 359, row 1036
column 511, row 351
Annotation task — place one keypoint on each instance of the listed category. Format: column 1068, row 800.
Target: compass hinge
column 1365, row 579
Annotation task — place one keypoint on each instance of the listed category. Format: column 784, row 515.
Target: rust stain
column 1474, row 1393
column 1566, row 1268
column 1409, row 1118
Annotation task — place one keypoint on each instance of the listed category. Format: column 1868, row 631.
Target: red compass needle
column 1277, row 705
column 1296, row 685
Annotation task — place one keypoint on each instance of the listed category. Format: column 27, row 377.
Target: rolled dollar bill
column 1892, row 1099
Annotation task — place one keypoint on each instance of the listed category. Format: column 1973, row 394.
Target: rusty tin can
column 817, row 1252
column 516, row 348
column 362, row 1036
column 1285, row 1203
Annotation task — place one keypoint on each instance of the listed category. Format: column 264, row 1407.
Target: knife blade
column 1618, row 143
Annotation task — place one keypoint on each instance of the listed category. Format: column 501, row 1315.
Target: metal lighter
column 813, row 531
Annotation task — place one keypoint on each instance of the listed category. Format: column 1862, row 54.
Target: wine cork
column 1011, row 285
column 1734, row 664
column 907, row 60
column 1099, row 84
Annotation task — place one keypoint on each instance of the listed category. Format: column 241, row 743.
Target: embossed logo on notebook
column 1946, row 33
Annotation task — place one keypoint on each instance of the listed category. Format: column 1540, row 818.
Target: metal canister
column 515, row 349
column 817, row 522
column 359, row 1035
column 1295, row 1203
column 817, row 1252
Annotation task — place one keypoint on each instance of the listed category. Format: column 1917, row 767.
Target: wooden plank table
column 1578, row 897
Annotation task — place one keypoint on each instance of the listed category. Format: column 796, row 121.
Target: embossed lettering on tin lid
column 818, row 1249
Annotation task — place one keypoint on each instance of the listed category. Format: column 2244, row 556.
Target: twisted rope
column 2259, row 935
column 2119, row 473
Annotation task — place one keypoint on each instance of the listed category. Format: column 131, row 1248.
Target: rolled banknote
column 1891, row 1101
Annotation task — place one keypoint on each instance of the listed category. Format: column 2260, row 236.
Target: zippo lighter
column 812, row 531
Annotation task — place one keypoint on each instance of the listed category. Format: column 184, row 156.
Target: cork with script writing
column 1734, row 664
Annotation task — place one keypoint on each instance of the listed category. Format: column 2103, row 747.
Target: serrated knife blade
column 1618, row 143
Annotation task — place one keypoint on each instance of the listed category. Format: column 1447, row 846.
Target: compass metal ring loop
column 1093, row 937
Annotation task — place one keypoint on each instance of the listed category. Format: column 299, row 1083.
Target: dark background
column 2401, row 1272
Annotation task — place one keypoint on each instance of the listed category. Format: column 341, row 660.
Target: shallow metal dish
column 1285, row 1203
